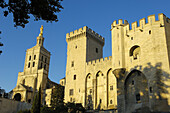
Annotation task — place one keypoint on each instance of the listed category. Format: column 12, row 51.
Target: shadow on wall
column 143, row 89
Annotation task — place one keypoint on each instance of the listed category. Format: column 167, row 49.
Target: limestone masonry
column 136, row 78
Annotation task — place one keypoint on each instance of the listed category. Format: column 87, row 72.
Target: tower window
column 150, row 89
column 34, row 57
column 90, row 90
column 100, row 100
column 71, row 92
column 72, row 64
column 33, row 64
column 133, row 82
column 74, row 77
column 45, row 66
column 131, row 38
column 96, row 50
column 29, row 65
column 149, row 31
column 137, row 98
column 30, row 58
column 110, row 101
column 111, row 87
column 42, row 58
column 45, row 60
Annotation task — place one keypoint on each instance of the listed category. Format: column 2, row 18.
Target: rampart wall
column 12, row 106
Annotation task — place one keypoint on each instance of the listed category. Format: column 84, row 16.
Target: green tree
column 23, row 9
column 57, row 97
column 37, row 102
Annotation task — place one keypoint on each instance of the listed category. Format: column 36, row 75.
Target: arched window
column 45, row 66
column 30, row 58
column 42, row 58
column 29, row 65
column 34, row 57
column 134, row 51
column 45, row 60
column 74, row 77
column 33, row 64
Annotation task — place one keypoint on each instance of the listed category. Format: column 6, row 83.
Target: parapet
column 83, row 30
column 99, row 61
column 142, row 22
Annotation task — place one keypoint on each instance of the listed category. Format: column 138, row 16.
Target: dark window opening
column 45, row 66
column 29, row 65
column 111, row 87
column 100, row 100
column 29, row 100
column 76, row 47
column 30, row 58
column 149, row 31
column 70, row 99
column 79, row 90
column 137, row 98
column 90, row 90
column 133, row 82
column 131, row 38
column 45, row 60
column 71, row 92
column 89, row 77
column 74, row 77
column 33, row 64
column 110, row 101
column 72, row 64
column 34, row 57
column 150, row 89
column 42, row 58
column 96, row 50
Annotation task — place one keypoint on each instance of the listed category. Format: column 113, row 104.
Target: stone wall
column 11, row 106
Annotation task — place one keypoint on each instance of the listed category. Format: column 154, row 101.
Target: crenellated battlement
column 142, row 22
column 84, row 30
column 99, row 61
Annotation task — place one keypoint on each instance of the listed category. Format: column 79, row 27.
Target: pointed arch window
column 135, row 52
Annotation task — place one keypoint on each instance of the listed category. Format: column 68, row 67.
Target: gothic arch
column 136, row 91
column 100, row 87
column 89, row 88
column 111, row 89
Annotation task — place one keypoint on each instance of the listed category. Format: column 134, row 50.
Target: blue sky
column 96, row 14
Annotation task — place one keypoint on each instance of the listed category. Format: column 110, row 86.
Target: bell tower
column 35, row 72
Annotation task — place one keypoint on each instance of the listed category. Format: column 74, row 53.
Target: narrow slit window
column 29, row 65
column 74, row 77
column 96, row 50
column 34, row 57
column 30, row 58
column 33, row 64
column 72, row 64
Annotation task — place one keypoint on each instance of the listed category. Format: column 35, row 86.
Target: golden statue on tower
column 41, row 31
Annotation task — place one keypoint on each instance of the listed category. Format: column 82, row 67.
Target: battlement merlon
column 86, row 30
column 142, row 22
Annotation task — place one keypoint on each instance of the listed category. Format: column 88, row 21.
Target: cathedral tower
column 35, row 72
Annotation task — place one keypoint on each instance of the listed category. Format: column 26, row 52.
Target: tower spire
column 40, row 39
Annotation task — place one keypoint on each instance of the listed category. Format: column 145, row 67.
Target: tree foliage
column 40, row 9
column 57, row 96
column 36, row 103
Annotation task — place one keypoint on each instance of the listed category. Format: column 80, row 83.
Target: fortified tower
column 118, row 48
column 83, row 45
column 35, row 72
